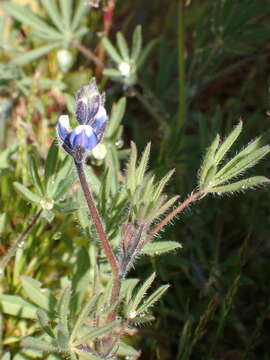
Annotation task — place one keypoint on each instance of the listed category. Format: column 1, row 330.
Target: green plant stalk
column 102, row 236
column 12, row 250
column 181, row 67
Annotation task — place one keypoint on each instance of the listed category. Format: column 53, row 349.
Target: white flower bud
column 99, row 152
column 124, row 68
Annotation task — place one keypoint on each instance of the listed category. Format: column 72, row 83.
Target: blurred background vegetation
column 205, row 65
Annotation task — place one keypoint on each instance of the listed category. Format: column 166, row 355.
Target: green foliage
column 207, row 65
column 215, row 180
column 128, row 60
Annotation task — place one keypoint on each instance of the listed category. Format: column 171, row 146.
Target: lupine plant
column 90, row 321
column 103, row 255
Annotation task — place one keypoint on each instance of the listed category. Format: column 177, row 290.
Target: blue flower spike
column 92, row 117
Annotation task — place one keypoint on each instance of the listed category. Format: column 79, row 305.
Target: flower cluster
column 92, row 118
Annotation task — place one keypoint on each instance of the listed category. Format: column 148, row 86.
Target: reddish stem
column 102, row 236
column 193, row 197
column 108, row 12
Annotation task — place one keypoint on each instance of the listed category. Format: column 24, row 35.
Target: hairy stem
column 12, row 250
column 101, row 234
column 193, row 197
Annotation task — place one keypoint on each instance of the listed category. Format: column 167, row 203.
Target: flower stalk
column 101, row 234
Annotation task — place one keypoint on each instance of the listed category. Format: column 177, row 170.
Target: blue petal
column 84, row 140
column 100, row 124
column 62, row 131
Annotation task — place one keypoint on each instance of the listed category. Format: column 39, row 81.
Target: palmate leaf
column 78, row 15
column 66, row 11
column 214, row 178
column 26, row 16
column 245, row 163
column 52, row 9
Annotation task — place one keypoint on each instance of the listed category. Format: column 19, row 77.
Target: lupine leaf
column 17, row 306
column 85, row 312
column 251, row 148
column 66, row 10
column 79, row 12
column 26, row 16
column 145, row 53
column 112, row 73
column 240, row 185
column 53, row 12
column 162, row 183
column 152, row 299
column 127, row 350
column 50, row 164
column 132, row 306
column 63, row 305
column 131, row 169
column 227, row 143
column 111, row 50
column 35, row 175
column 208, row 159
column 140, row 172
column 117, row 114
column 37, row 344
column 209, row 177
column 62, row 339
column 136, row 43
column 156, row 212
column 237, row 167
column 85, row 355
column 26, row 193
column 64, row 180
column 160, row 247
column 122, row 46
column 33, row 290
column 97, row 332
column 43, row 320
column 28, row 56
